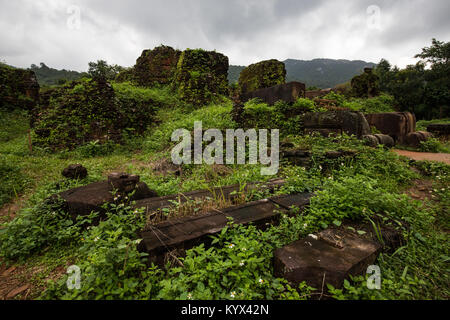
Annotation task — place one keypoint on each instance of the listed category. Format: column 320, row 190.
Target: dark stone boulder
column 336, row 122
column 385, row 140
column 84, row 200
column 261, row 75
column 374, row 140
column 288, row 93
column 395, row 124
column 414, row 139
column 75, row 171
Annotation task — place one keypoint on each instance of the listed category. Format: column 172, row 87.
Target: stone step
column 226, row 193
column 185, row 233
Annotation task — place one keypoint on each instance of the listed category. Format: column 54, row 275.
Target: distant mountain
column 321, row 73
column 48, row 76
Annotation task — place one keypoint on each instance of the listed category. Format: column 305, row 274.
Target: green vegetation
column 317, row 73
column 423, row 91
column 112, row 268
column 47, row 76
column 423, row 124
column 116, row 126
column 102, row 70
column 287, row 117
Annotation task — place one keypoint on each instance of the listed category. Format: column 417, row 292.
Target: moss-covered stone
column 261, row 75
column 156, row 66
column 18, row 88
column 89, row 110
column 201, row 75
column 365, row 85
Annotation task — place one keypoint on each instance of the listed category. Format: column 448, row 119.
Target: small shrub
column 432, row 145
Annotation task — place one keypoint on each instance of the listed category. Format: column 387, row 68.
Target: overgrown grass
column 238, row 264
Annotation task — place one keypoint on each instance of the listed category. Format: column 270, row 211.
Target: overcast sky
column 70, row 33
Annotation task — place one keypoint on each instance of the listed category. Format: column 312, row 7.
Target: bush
column 433, row 145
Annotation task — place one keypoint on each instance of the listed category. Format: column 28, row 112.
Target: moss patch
column 201, row 75
column 263, row 74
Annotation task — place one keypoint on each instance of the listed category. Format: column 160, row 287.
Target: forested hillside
column 321, row 73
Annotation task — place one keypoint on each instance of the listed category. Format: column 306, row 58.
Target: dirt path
column 424, row 156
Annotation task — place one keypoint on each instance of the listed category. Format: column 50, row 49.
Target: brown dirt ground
column 424, row 156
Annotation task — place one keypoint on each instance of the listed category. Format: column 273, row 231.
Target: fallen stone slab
column 439, row 129
column 335, row 253
column 226, row 193
column 326, row 258
column 84, row 200
column 185, row 233
column 336, row 122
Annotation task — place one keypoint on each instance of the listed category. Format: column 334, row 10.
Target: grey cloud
column 245, row 30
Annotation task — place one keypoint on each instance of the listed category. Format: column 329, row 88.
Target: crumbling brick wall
column 201, row 75
column 261, row 75
column 156, row 66
column 18, row 88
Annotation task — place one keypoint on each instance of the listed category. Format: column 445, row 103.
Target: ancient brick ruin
column 201, row 75
column 288, row 93
column 156, row 66
column 261, row 75
column 18, row 88
column 336, row 122
column 366, row 84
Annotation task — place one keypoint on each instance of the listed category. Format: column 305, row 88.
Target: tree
column 102, row 70
column 423, row 88
column 437, row 54
column 384, row 73
column 437, row 77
